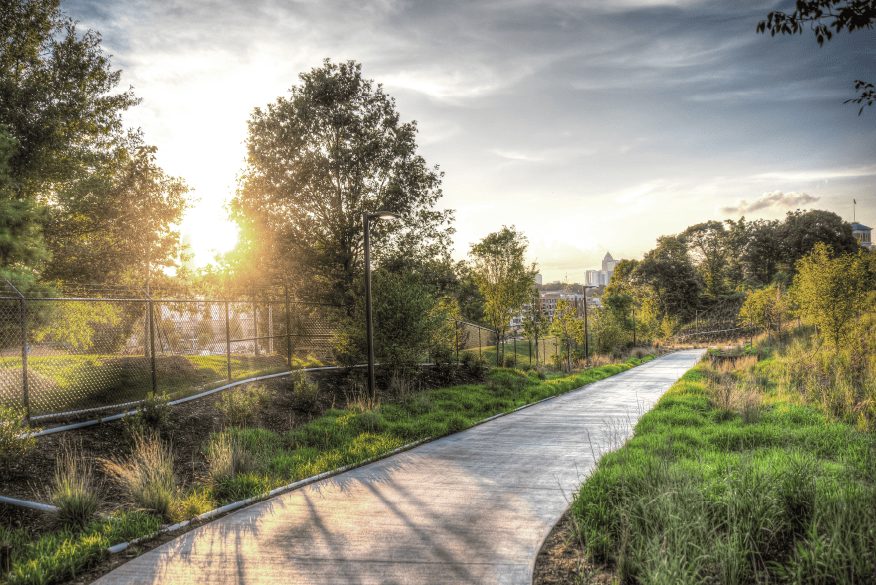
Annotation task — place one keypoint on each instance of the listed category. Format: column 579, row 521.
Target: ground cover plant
column 740, row 474
column 238, row 462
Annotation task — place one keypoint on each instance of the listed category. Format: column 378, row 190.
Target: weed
column 147, row 475
column 75, row 493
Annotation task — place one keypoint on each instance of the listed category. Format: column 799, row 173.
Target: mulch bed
column 559, row 560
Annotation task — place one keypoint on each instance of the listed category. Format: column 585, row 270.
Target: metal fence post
column 255, row 328
column 152, row 346
column 25, row 395
column 288, row 329
column 456, row 332
column 228, row 340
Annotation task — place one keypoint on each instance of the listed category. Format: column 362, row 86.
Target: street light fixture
column 366, row 217
column 586, row 334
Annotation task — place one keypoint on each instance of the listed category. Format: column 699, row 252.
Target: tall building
column 538, row 279
column 602, row 277
column 609, row 263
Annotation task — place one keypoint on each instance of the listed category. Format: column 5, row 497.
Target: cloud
column 769, row 201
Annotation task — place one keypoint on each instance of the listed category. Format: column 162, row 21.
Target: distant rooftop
column 860, row 226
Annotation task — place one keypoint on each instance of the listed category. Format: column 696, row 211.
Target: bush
column 74, row 492
column 510, row 361
column 306, row 393
column 15, row 439
column 227, row 455
column 153, row 414
column 147, row 475
column 240, row 407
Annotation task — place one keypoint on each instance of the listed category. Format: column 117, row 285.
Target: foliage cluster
column 713, row 261
column 409, row 321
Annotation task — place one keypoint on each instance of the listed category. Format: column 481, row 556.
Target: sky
column 592, row 126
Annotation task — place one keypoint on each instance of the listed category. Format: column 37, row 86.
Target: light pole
column 366, row 217
column 586, row 333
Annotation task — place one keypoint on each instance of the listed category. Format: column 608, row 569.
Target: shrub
column 147, row 475
column 306, row 393
column 74, row 492
column 241, row 406
column 510, row 361
column 15, row 438
column 228, row 457
column 153, row 414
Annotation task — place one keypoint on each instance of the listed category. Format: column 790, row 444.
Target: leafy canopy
column 316, row 161
column 830, row 290
column 498, row 267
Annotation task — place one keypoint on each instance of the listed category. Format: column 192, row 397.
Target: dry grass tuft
column 228, row 458
column 75, row 492
column 147, row 475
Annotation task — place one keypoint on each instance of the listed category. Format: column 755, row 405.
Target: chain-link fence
column 483, row 342
column 103, row 347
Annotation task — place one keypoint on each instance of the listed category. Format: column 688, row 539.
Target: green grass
column 522, row 354
column 336, row 439
column 60, row 555
column 700, row 496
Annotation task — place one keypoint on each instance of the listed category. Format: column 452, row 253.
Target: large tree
column 668, row 274
column 499, row 269
column 335, row 148
column 802, row 230
column 707, row 244
column 850, row 15
column 116, row 222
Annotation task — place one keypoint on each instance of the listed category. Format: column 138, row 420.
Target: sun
column 207, row 233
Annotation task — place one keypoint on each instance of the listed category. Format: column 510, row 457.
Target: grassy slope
column 340, row 437
column 700, row 495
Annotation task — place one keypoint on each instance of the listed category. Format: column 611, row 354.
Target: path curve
column 473, row 507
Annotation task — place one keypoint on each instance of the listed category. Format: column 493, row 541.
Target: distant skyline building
column 538, row 279
column 602, row 277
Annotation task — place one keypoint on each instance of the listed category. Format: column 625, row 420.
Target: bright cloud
column 772, row 200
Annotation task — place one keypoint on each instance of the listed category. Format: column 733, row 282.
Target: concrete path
column 473, row 507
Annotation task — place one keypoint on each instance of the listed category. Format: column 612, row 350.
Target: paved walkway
column 473, row 507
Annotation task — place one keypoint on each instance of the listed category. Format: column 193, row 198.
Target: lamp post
column 366, row 217
column 586, row 333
